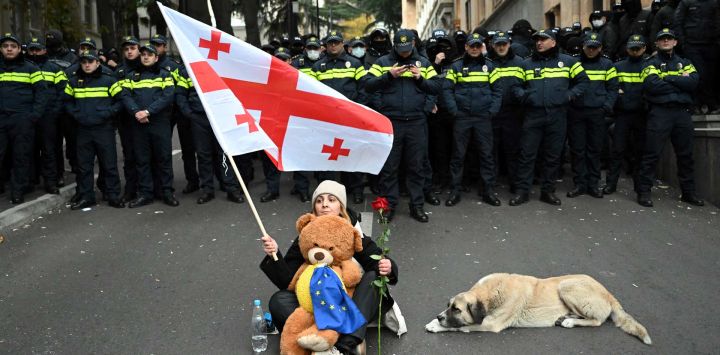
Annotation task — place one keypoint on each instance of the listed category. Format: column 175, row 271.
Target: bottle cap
column 256, row 303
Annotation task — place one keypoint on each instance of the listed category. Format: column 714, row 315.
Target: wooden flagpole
column 249, row 200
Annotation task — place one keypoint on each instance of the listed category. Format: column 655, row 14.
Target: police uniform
column 668, row 85
column 184, row 129
column 346, row 75
column 507, row 124
column 46, row 137
column 587, row 129
column 402, row 100
column 473, row 98
column 91, row 100
column 630, row 117
column 209, row 153
column 151, row 89
column 125, row 127
column 552, row 80
column 22, row 103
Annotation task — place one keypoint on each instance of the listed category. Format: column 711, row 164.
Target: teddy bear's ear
column 303, row 221
column 358, row 241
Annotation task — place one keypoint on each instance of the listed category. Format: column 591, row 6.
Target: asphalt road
column 163, row 280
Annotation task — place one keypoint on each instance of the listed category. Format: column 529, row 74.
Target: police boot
column 269, row 196
column 577, row 191
column 550, row 198
column 431, row 199
column 490, row 199
column 170, row 200
column 644, row 199
column 140, row 201
column 205, row 198
column 52, row 189
column 595, row 192
column 609, row 189
column 82, row 203
column 519, row 199
column 116, row 202
column 453, row 200
column 190, row 188
column 418, row 213
column 235, row 196
column 692, row 199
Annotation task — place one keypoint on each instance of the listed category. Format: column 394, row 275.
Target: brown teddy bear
column 329, row 240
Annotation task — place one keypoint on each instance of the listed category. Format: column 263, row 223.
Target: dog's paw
column 566, row 322
column 313, row 342
column 434, row 326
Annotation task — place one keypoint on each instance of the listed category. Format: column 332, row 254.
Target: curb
column 23, row 212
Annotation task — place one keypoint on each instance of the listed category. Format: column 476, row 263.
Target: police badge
column 561, row 64
column 347, row 65
column 418, row 64
column 485, row 68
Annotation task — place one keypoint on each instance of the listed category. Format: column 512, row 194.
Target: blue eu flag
column 333, row 307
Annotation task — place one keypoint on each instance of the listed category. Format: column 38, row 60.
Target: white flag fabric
column 301, row 123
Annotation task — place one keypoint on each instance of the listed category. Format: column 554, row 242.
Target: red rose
column 380, row 203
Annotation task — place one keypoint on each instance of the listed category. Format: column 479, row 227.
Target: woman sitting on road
column 328, row 199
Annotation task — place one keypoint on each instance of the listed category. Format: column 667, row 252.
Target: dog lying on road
column 500, row 301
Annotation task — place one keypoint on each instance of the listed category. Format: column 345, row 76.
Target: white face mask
column 598, row 23
column 358, row 52
column 313, row 54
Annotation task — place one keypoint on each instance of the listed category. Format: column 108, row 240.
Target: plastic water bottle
column 259, row 338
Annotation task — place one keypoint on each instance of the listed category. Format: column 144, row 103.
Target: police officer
column 605, row 31
column 668, row 85
column 404, row 79
column 346, row 75
column 46, row 137
column 130, row 47
column 552, row 80
column 630, row 114
column 187, row 147
column 357, row 49
column 379, row 46
column 57, row 52
column 634, row 20
column 587, row 130
column 90, row 96
column 507, row 124
column 209, row 152
column 473, row 99
column 148, row 93
column 23, row 93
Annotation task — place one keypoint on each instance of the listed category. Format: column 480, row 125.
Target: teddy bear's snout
column 319, row 256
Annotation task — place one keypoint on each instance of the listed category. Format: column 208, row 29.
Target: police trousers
column 17, row 131
column 210, row 157
column 97, row 142
column 152, row 142
column 629, row 130
column 479, row 130
column 665, row 121
column 544, row 129
column 410, row 149
column 586, row 133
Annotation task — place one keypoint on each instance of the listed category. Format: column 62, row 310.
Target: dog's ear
column 477, row 311
column 303, row 221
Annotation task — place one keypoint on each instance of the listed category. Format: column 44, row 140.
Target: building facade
column 28, row 18
column 425, row 15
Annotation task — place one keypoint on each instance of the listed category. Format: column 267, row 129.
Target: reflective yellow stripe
column 474, row 77
column 60, row 76
column 547, row 73
column 307, row 71
column 21, row 77
column 183, row 82
column 611, row 74
column 507, row 72
column 69, row 90
column 360, row 72
column 651, row 70
column 48, row 76
column 427, row 73
column 450, row 75
column 625, row 77
column 149, row 83
column 575, row 70
column 115, row 88
column 335, row 74
column 84, row 93
column 602, row 75
column 376, row 70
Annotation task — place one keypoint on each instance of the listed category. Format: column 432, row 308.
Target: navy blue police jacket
column 669, row 79
column 344, row 73
column 92, row 99
column 510, row 75
column 149, row 88
column 602, row 88
column 630, row 84
column 22, row 88
column 552, row 80
column 403, row 98
column 473, row 91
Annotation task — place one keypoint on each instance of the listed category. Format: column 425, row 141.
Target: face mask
column 378, row 45
column 358, row 52
column 313, row 55
column 598, row 23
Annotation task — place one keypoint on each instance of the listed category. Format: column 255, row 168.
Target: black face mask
column 378, row 45
column 53, row 43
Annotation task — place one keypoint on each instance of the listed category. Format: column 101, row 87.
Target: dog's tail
column 627, row 323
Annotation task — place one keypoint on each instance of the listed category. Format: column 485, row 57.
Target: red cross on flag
column 310, row 126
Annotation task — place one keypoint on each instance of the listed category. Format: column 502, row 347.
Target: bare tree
column 222, row 10
column 250, row 10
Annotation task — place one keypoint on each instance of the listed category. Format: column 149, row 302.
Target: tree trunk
column 106, row 24
column 250, row 10
column 198, row 10
column 222, row 9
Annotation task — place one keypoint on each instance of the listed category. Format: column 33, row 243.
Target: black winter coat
column 149, row 88
column 473, row 91
column 698, row 22
column 510, row 75
column 629, row 71
column 602, row 89
column 55, row 79
column 344, row 73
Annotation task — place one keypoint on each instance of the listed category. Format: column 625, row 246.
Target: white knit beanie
column 331, row 187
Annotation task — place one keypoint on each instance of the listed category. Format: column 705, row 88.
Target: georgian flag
column 300, row 123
